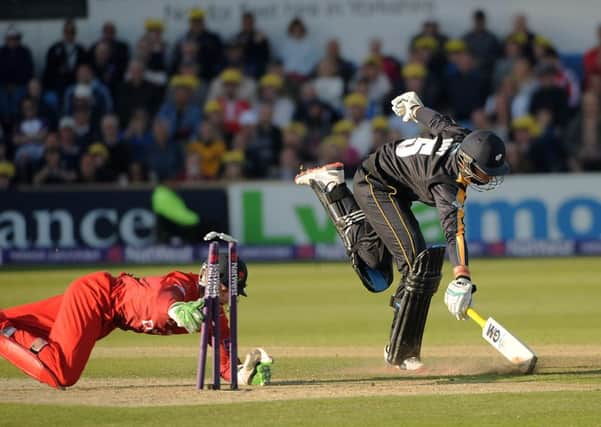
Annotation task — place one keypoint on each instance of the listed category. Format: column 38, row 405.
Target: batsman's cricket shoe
column 409, row 364
column 326, row 176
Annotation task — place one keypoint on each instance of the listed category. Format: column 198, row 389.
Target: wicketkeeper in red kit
column 51, row 340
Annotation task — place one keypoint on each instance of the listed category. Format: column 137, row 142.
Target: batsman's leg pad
column 27, row 360
column 411, row 303
column 346, row 215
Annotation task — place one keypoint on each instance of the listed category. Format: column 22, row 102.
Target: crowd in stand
column 203, row 108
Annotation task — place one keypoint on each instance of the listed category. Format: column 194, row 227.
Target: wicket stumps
column 210, row 325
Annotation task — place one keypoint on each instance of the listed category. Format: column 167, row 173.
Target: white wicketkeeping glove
column 458, row 297
column 405, row 104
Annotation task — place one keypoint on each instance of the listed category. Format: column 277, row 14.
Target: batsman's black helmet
column 482, row 154
column 224, row 273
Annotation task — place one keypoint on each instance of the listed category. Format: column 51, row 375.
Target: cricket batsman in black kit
column 377, row 226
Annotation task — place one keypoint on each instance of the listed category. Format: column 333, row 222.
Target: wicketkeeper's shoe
column 327, row 176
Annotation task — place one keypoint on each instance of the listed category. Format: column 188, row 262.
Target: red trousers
column 71, row 323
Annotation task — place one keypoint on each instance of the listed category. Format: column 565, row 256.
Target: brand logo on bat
column 493, row 333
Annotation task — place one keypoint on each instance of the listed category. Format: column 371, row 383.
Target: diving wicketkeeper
column 377, row 226
column 51, row 340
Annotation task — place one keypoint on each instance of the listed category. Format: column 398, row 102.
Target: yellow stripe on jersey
column 459, row 236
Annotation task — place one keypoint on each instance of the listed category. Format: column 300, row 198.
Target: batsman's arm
column 449, row 202
column 438, row 123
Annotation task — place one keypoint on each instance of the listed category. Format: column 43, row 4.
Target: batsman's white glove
column 405, row 105
column 458, row 297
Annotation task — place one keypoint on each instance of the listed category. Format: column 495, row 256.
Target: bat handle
column 475, row 316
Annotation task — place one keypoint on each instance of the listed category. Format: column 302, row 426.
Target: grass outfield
column 326, row 333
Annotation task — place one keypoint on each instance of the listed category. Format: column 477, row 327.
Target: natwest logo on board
column 94, row 228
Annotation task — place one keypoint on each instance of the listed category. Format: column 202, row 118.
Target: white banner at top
column 571, row 25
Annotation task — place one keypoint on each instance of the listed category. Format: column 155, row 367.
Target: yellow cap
column 372, row 60
column 98, row 149
column 414, row 70
column 343, row 126
column 184, row 80
column 527, row 123
column 455, row 46
column 337, row 140
column 297, row 128
column 542, row 41
column 231, row 75
column 196, row 13
column 379, row 123
column 212, row 106
column 425, row 42
column 233, row 156
column 271, row 80
column 7, row 169
column 519, row 38
column 355, row 99
column 152, row 24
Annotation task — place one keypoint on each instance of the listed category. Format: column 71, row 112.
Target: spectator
column 360, row 140
column 343, row 130
column 151, row 49
column 388, row 64
column 534, row 148
column 315, row 114
column 7, row 174
column 210, row 49
column 294, row 138
column 187, row 55
column 255, row 47
column 137, row 135
column 498, row 106
column 504, row 66
column 53, row 170
column 378, row 85
column 70, row 150
column 86, row 173
column 522, row 33
column 233, row 165
column 263, row 151
column 213, row 112
column 137, row 93
column 46, row 109
column 204, row 155
column 137, row 173
column 119, row 50
column 483, row 44
column 564, row 77
column 465, row 86
column 582, row 139
column 549, row 96
column 247, row 134
column 63, row 60
column 89, row 87
column 332, row 150
column 164, row 157
column 415, row 78
column 429, row 44
column 232, row 104
column 270, row 92
column 525, row 84
column 288, row 165
column 101, row 156
column 104, row 67
column 119, row 152
column 328, row 84
column 298, row 52
column 344, row 68
column 181, row 113
column 15, row 73
column 592, row 61
column 380, row 132
column 29, row 135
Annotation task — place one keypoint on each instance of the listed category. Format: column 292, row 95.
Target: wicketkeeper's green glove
column 188, row 315
column 256, row 369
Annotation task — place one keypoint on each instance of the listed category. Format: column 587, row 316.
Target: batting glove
column 405, row 105
column 458, row 297
column 188, row 315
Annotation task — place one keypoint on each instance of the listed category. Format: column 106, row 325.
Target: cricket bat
column 505, row 342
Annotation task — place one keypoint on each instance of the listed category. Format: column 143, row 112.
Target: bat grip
column 475, row 316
